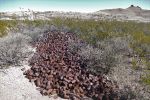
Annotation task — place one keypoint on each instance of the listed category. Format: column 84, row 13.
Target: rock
column 22, row 69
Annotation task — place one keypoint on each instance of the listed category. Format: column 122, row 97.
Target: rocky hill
column 130, row 12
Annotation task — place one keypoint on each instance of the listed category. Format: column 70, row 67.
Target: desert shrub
column 146, row 78
column 134, row 64
column 13, row 49
column 127, row 94
column 32, row 29
column 102, row 57
column 33, row 33
column 14, row 16
column 6, row 26
column 3, row 28
column 97, row 60
column 147, row 62
column 118, row 45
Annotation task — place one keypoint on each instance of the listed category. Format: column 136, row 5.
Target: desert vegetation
column 13, row 49
column 103, row 44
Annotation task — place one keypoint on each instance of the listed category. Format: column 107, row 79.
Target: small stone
column 22, row 69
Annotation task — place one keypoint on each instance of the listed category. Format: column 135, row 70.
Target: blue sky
column 70, row 5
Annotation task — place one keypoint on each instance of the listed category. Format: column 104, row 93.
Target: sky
column 69, row 5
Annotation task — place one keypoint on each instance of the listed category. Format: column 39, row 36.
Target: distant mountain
column 130, row 11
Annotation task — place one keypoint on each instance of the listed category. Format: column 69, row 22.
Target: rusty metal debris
column 56, row 70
